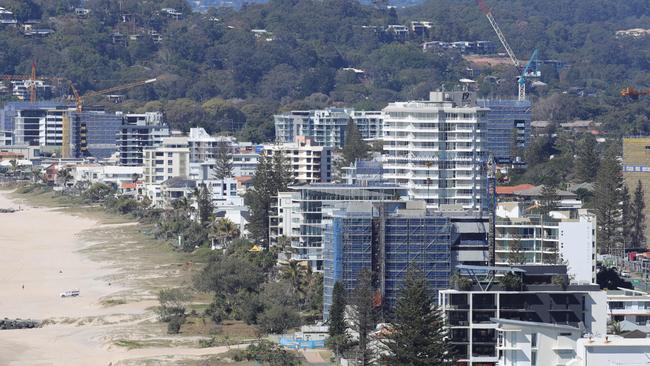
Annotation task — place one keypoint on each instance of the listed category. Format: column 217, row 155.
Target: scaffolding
column 386, row 244
column 422, row 241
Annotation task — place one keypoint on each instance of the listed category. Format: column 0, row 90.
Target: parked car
column 70, row 293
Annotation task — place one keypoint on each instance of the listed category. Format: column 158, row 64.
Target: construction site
column 64, row 127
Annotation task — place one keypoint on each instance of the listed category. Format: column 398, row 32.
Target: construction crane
column 79, row 99
column 633, row 93
column 31, row 78
column 521, row 81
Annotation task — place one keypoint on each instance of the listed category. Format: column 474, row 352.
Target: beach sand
column 43, row 250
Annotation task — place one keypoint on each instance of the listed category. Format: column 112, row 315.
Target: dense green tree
column 538, row 151
column 607, row 202
column 268, row 353
column 416, row 336
column 354, row 147
column 363, row 317
column 278, row 319
column 223, row 162
column 204, row 203
column 338, row 340
column 638, row 217
column 258, row 199
column 627, row 220
column 336, row 319
column 587, row 159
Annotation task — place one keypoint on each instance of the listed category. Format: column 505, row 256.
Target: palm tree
column 224, row 230
column 298, row 275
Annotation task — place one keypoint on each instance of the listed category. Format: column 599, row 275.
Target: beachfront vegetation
column 416, row 336
column 247, row 286
column 244, row 279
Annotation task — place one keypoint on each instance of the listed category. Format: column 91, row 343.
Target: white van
column 70, row 293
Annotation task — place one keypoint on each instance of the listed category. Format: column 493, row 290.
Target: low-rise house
column 81, row 12
column 172, row 13
column 630, row 308
column 173, row 189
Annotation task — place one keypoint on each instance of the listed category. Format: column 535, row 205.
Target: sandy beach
column 43, row 250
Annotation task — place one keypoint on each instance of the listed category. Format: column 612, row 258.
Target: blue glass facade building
column 505, row 119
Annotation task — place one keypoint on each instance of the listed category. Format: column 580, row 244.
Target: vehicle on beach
column 70, row 293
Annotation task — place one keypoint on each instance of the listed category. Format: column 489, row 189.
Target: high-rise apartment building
column 91, row 133
column 327, row 127
column 298, row 214
column 59, row 128
column 309, row 163
column 438, row 149
column 385, row 240
column 139, row 131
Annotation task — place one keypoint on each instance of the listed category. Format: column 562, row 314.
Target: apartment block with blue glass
column 508, row 120
column 385, row 239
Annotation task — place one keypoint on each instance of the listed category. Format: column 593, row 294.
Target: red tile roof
column 129, row 185
column 513, row 189
column 244, row 179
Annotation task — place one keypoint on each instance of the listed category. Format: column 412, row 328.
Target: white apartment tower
column 169, row 160
column 437, row 149
column 309, row 163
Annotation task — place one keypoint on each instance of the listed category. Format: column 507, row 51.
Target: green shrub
column 174, row 325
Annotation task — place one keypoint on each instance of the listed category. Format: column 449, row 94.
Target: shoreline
column 118, row 271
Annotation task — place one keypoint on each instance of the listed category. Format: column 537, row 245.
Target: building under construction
column 508, row 126
column 387, row 238
column 58, row 128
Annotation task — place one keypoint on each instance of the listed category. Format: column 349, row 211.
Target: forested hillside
column 218, row 74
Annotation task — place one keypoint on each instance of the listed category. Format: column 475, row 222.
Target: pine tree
column 627, row 223
column 273, row 175
column 281, row 173
column 223, row 162
column 607, row 201
column 417, row 336
column 258, row 200
column 337, row 328
column 204, row 204
column 638, row 217
column 354, row 147
column 363, row 317
column 587, row 160
column 337, row 311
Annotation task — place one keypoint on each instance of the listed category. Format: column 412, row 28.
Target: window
column 533, row 358
column 533, row 341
